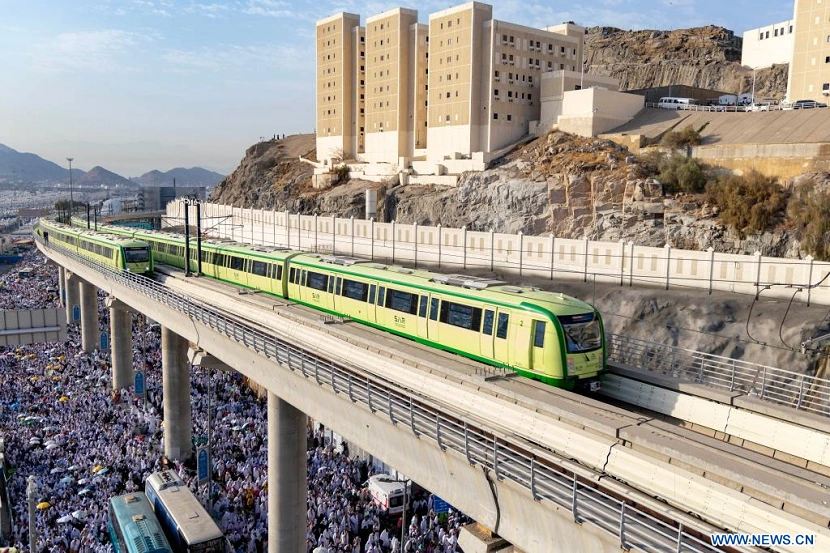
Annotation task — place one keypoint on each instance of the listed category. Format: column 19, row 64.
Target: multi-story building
column 768, row 45
column 337, row 86
column 466, row 83
column 809, row 77
column 390, row 41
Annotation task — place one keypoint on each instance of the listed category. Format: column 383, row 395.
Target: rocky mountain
column 706, row 57
column 20, row 167
column 98, row 176
column 194, row 176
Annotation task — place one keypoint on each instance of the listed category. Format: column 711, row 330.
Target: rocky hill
column 193, row 176
column 20, row 167
column 706, row 57
column 98, row 176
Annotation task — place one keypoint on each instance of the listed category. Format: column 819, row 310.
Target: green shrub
column 748, row 203
column 342, row 172
column 809, row 212
column 688, row 136
column 681, row 174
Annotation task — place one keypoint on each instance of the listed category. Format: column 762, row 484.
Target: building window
column 827, row 59
column 496, row 116
column 775, row 33
column 766, row 35
column 825, row 87
column 791, row 29
column 509, row 117
column 496, row 92
column 761, row 36
column 447, row 120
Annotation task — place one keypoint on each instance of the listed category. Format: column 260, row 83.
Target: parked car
column 808, row 104
column 757, row 107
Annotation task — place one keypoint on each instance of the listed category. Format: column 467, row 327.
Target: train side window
column 460, row 315
column 488, row 322
column 237, row 263
column 402, row 301
column 433, row 309
column 318, row 281
column 303, row 277
column 539, row 334
column 279, row 272
column 381, row 296
column 331, row 285
column 422, row 310
column 501, row 329
column 339, row 286
column 292, row 272
column 355, row 290
column 259, row 268
column 372, row 289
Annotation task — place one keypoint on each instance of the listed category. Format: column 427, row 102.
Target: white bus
column 187, row 525
column 670, row 102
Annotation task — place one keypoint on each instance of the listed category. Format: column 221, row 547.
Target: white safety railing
column 622, row 263
column 797, row 390
column 544, row 478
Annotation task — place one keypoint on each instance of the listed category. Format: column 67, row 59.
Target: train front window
column 582, row 332
column 137, row 255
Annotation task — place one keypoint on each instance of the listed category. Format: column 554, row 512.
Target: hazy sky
column 134, row 85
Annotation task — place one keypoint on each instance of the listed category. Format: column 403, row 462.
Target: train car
column 543, row 335
column 112, row 250
column 133, row 526
column 184, row 520
column 547, row 336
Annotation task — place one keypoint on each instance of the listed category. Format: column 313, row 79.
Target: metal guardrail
column 544, row 478
column 796, row 390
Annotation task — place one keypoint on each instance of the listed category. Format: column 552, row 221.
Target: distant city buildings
column 463, row 86
column 156, row 198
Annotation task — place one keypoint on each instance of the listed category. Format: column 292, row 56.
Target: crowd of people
column 61, row 422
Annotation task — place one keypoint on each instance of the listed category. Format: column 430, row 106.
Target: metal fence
column 800, row 391
column 544, row 478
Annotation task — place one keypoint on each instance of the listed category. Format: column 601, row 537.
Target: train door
column 520, row 341
column 501, row 342
column 537, row 347
column 423, row 311
column 487, row 333
column 432, row 322
column 370, row 302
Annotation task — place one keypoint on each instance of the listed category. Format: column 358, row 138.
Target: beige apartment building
column 464, row 84
column 337, row 92
column 809, row 77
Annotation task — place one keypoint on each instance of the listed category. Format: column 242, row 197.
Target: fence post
column 496, row 457
column 573, row 501
column 415, row 242
column 763, row 382
column 622, row 526
column 622, row 261
column 464, row 251
column 631, row 265
column 467, row 444
column 274, row 225
column 552, row 254
column 667, row 248
column 393, row 242
column 352, row 235
column 316, row 248
column 711, row 251
column 757, row 255
column 809, row 259
column 732, row 379
column 585, row 248
column 372, row 243
column 299, row 231
column 521, row 251
column 334, row 235
column 492, row 248
column 800, row 393
column 533, row 479
column 412, row 418
column 439, row 245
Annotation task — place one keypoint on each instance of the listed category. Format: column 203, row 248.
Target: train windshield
column 137, row 255
column 582, row 332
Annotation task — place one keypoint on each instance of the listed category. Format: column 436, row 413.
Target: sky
column 135, row 85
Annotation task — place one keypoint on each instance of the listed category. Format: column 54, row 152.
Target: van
column 670, row 102
column 387, row 492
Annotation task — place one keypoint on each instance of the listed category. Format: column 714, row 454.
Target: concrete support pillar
column 89, row 317
column 287, row 486
column 62, row 286
column 72, row 299
column 176, row 374
column 121, row 335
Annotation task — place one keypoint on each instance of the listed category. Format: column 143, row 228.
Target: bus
column 187, row 525
column 133, row 526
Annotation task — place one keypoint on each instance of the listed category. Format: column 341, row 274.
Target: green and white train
column 547, row 336
column 115, row 250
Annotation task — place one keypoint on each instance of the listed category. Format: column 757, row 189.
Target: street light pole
column 31, row 496
column 71, row 199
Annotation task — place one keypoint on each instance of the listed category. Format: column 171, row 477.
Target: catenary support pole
column 176, row 375
column 287, row 486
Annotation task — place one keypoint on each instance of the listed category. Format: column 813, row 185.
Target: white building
column 768, row 45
